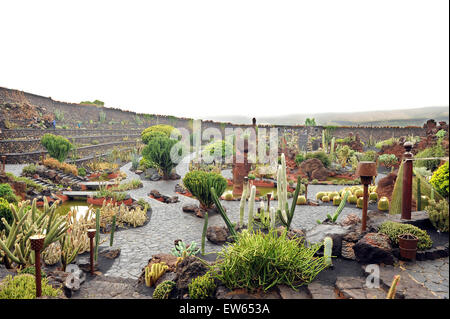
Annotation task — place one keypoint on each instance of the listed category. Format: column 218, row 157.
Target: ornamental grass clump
column 257, row 260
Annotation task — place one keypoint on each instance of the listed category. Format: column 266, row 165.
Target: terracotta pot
column 408, row 246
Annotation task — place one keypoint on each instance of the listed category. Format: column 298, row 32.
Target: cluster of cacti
column 24, row 287
column 78, row 226
column 181, row 250
column 52, row 254
column 69, row 250
column 163, row 290
column 439, row 214
column 202, row 287
column 15, row 246
column 337, row 201
column 124, row 215
column 383, row 204
column 326, row 199
column 154, row 273
column 327, row 250
column 285, row 213
column 339, row 209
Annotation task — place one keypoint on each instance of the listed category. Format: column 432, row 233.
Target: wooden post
column 407, row 181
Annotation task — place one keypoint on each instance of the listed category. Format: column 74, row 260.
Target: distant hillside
column 406, row 117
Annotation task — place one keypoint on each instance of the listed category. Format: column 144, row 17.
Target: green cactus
column 383, row 204
column 205, row 228
column 222, row 213
column 301, row 200
column 337, row 201
column 97, row 233
column 439, row 214
column 202, row 287
column 154, row 273
column 113, row 228
column 319, row 195
column 29, row 221
column 373, row 196
column 360, row 202
column 352, row 199
column 163, row 290
column 327, row 250
column 242, row 206
column 418, row 196
column 325, row 199
column 251, row 208
column 340, row 207
column 286, row 219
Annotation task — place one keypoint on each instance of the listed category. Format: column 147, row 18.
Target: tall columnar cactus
column 113, row 228
column 242, row 206
column 333, row 140
column 272, row 217
column 97, row 232
column 327, row 250
column 324, row 142
column 205, row 228
column 222, row 213
column 418, row 196
column 15, row 243
column 339, row 208
column 393, row 288
column 251, row 207
column 287, row 214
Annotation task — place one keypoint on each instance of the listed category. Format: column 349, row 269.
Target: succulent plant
column 301, row 200
column 383, row 204
column 373, row 196
column 352, row 199
column 325, row 199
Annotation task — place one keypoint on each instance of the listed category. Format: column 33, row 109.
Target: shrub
column 65, row 167
column 440, row 180
column 157, row 131
column 7, row 193
column 256, row 260
column 147, row 164
column 163, row 290
column 369, row 156
column 5, row 212
column 225, row 150
column 299, row 159
column 387, row 142
column 251, row 176
column 394, row 229
column 388, row 160
column 202, row 287
column 314, row 181
column 24, row 287
column 320, row 155
column 432, row 165
column 81, row 171
column 158, row 151
column 57, row 146
column 199, row 184
column 32, row 271
column 439, row 215
column 29, row 170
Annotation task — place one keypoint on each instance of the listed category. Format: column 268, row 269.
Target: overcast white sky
column 194, row 58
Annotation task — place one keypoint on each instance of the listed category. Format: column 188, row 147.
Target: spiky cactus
column 113, row 228
column 393, row 288
column 222, row 213
column 287, row 214
column 97, row 233
column 327, row 250
column 205, row 228
column 154, row 273
column 251, row 208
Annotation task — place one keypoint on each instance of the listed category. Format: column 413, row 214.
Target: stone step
column 319, row 290
column 356, row 288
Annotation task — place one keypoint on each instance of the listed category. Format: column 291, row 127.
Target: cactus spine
column 251, row 208
column 205, row 228
column 327, row 251
column 154, row 273
column 97, row 232
column 113, row 228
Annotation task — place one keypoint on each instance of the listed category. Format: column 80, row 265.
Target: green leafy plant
column 29, row 170
column 7, row 193
column 57, row 146
column 5, row 212
column 157, row 131
column 24, row 287
column 202, row 287
column 163, row 290
column 181, row 250
column 394, row 229
column 158, row 151
column 440, row 180
column 81, row 171
column 256, row 260
column 388, row 160
column 199, row 184
column 32, row 271
column 431, row 164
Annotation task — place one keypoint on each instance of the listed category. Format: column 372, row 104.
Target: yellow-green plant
column 163, row 290
column 394, row 229
column 439, row 215
column 154, row 273
column 383, row 204
column 202, row 287
column 15, row 246
column 24, row 287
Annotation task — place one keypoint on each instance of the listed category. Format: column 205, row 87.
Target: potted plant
column 408, row 246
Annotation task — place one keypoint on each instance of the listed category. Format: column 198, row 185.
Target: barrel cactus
column 325, row 199
column 359, row 202
column 383, row 204
column 352, row 199
column 319, row 195
column 359, row 193
column 373, row 196
column 337, row 200
column 301, row 200
column 333, row 195
column 228, row 196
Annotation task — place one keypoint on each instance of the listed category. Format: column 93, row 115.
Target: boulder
column 187, row 270
column 374, row 248
column 314, row 169
column 110, row 252
column 217, row 234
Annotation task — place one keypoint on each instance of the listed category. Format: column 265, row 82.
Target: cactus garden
column 132, row 195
